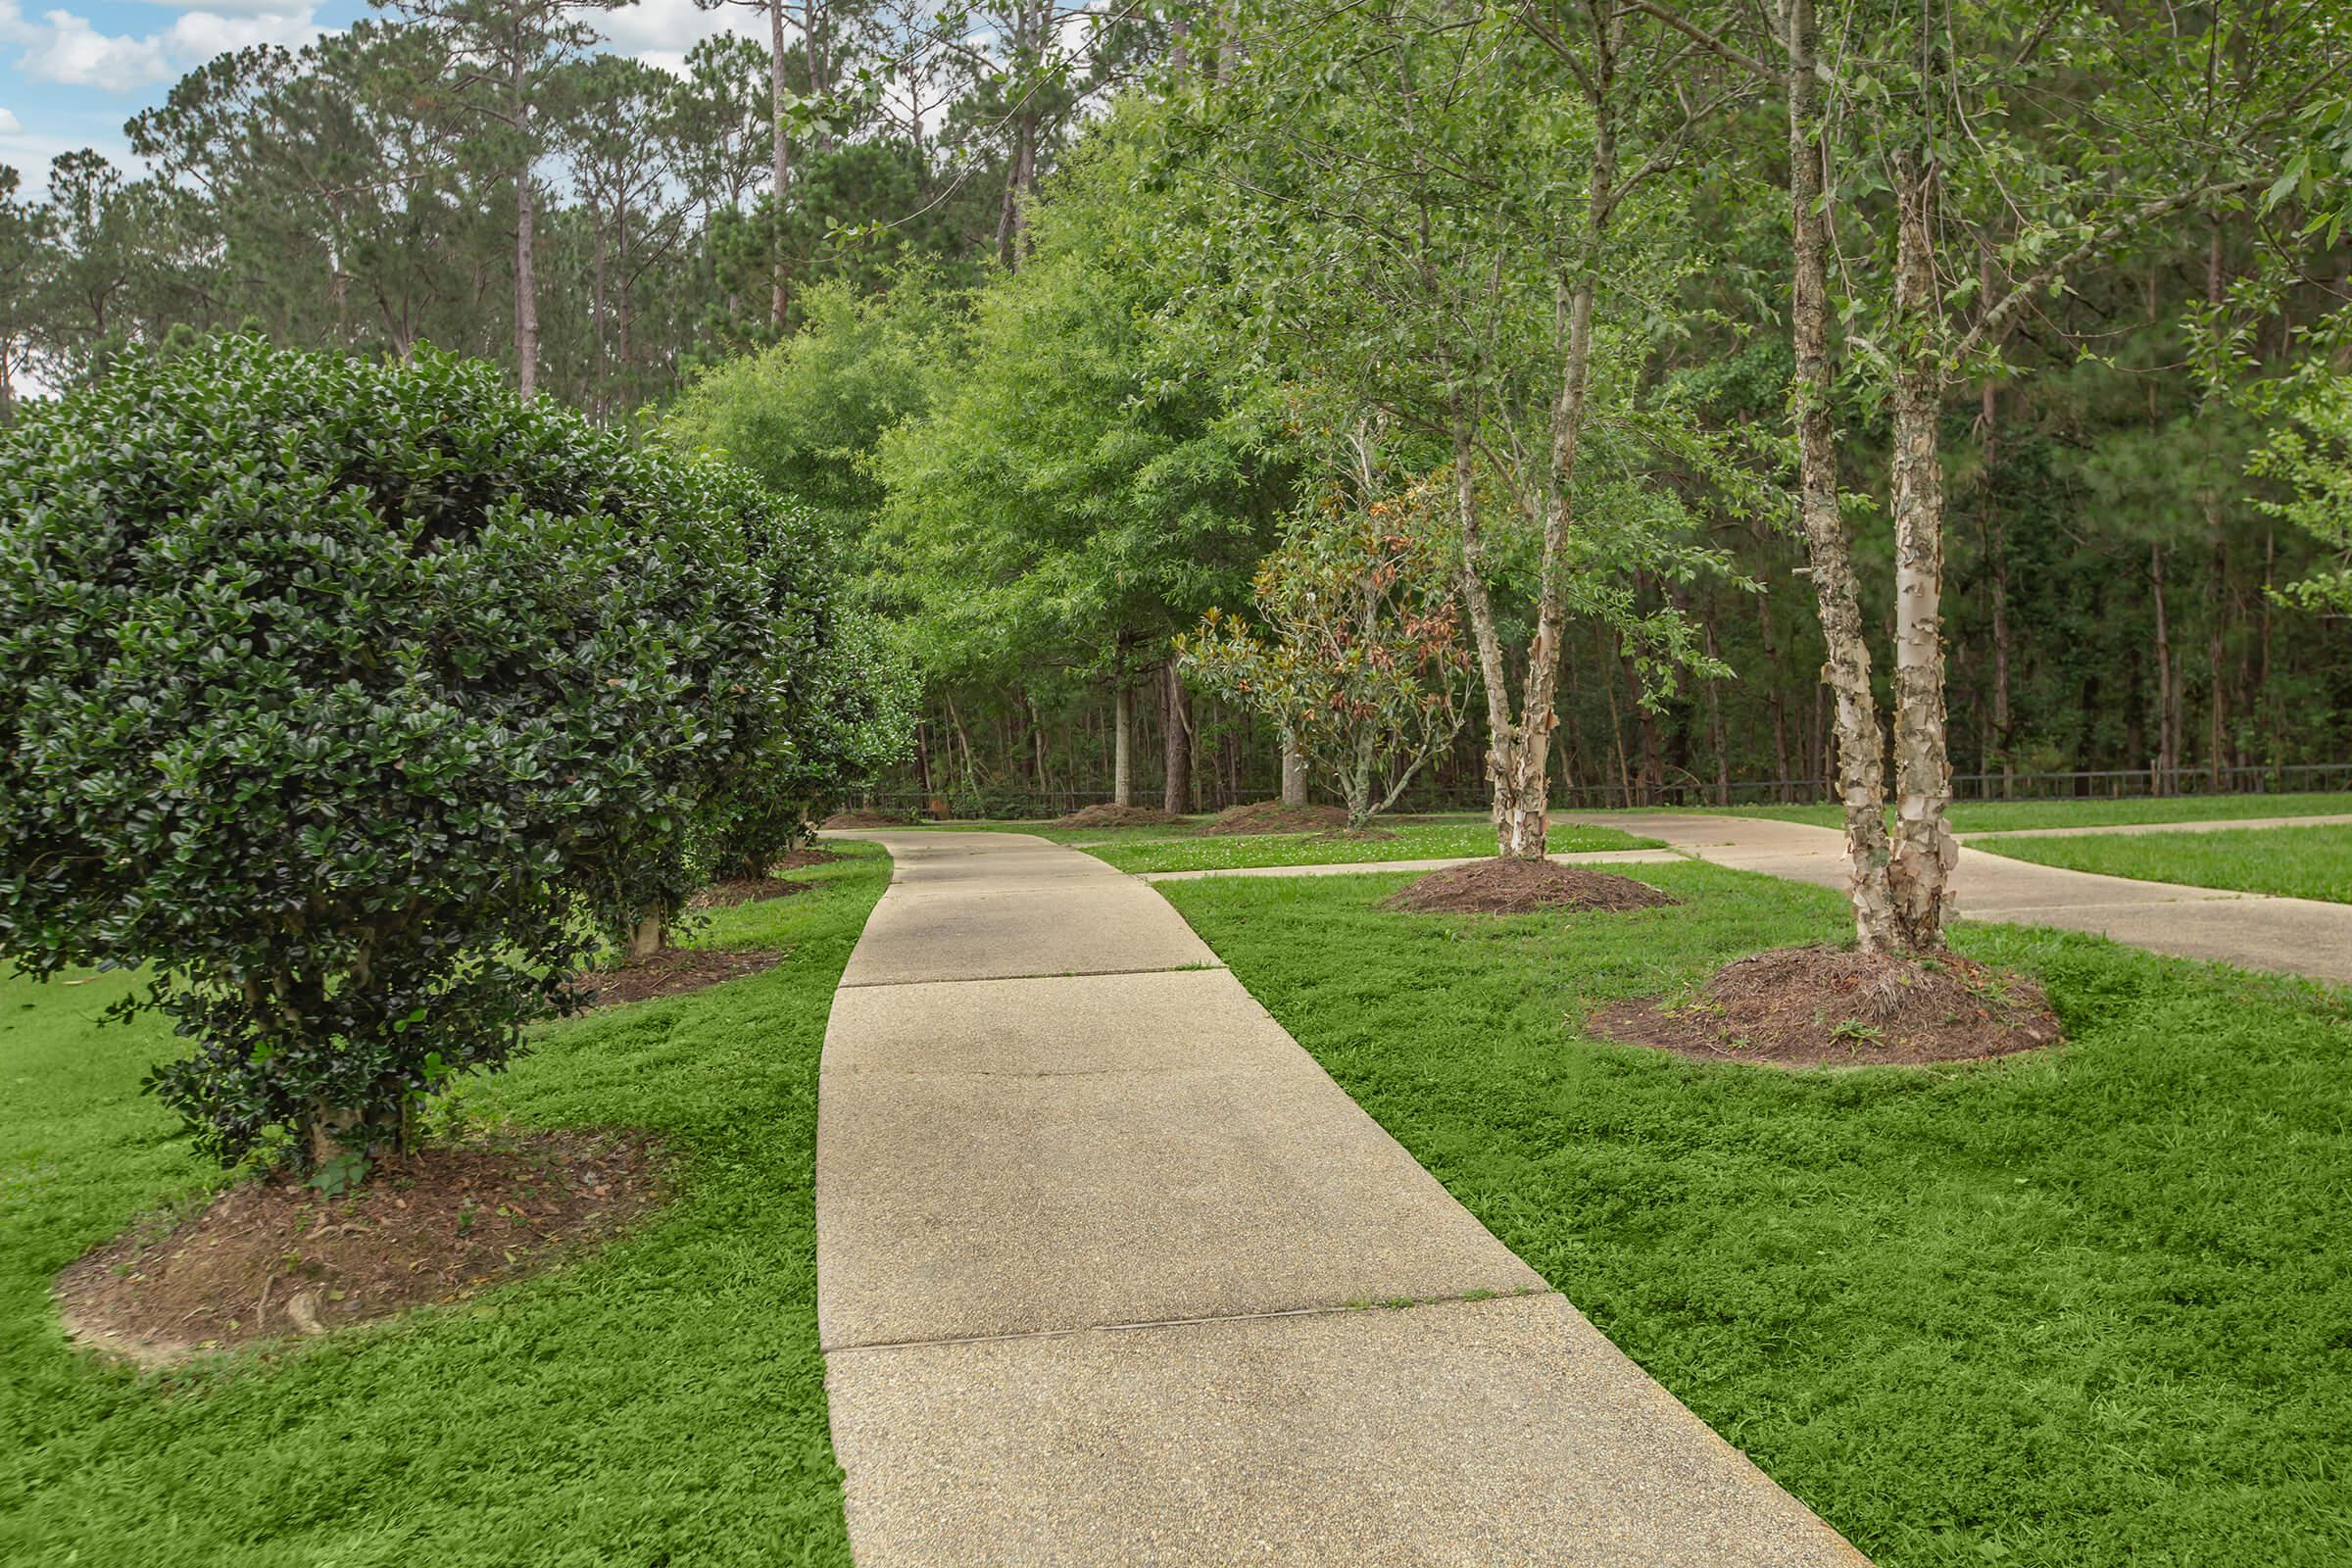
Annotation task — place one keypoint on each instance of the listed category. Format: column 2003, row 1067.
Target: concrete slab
column 1478, row 1434
column 1087, row 926
column 1181, row 1020
column 954, row 1204
column 1015, row 1170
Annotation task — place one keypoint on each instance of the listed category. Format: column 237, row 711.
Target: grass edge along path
column 1179, row 849
column 2013, row 816
column 659, row 1401
column 2091, row 1306
column 2295, row 862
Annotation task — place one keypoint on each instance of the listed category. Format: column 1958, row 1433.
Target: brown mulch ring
column 1117, row 816
column 1833, row 1007
column 868, row 819
column 1272, row 816
column 275, row 1258
column 1502, row 886
column 671, row 972
column 802, row 859
column 747, row 890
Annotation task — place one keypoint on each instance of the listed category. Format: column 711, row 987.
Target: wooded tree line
column 2039, row 331
column 469, row 173
column 1065, row 325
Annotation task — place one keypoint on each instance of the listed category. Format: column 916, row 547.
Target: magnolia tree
column 1361, row 662
column 360, row 703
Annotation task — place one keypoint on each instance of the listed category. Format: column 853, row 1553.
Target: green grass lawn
column 1178, row 849
column 2009, row 816
column 659, row 1402
column 2089, row 1308
column 2303, row 862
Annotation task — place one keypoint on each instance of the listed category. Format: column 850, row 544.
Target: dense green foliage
column 2299, row 862
column 662, row 1401
column 2082, row 1307
column 361, row 701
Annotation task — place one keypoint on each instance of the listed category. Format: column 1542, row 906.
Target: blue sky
column 72, row 71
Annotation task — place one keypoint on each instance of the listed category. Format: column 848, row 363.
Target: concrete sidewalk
column 1108, row 1274
column 2252, row 930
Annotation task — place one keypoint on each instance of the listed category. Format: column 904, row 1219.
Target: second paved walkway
column 1098, row 1249
column 2252, row 930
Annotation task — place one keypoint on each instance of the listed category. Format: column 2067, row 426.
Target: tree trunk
column 526, row 293
column 1925, row 851
column 2216, row 709
column 1122, row 744
column 1845, row 671
column 331, row 1133
column 1176, row 789
column 649, row 936
column 2167, row 751
column 780, row 157
column 1716, row 737
column 1294, row 772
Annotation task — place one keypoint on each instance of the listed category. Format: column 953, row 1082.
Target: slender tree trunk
column 1845, row 671
column 2217, row 708
column 1294, row 772
column 1122, row 744
column 527, row 292
column 1716, row 735
column 2168, row 754
column 1925, row 851
column 780, row 158
column 1776, row 695
column 1176, row 788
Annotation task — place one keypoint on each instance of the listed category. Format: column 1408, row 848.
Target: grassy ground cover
column 2010, row 817
column 1178, row 849
column 2302, row 862
column 2091, row 1307
column 662, row 1401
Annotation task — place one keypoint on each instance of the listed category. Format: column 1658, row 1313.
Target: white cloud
column 198, row 35
column 67, row 49
column 660, row 32
column 64, row 48
column 10, row 124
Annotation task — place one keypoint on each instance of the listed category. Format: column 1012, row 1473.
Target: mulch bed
column 276, row 1257
column 869, row 819
column 746, row 889
column 672, row 972
column 1272, row 816
column 1502, row 886
column 1833, row 1007
column 1117, row 816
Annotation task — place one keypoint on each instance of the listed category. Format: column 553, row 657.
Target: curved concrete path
column 2252, row 930
column 1109, row 1273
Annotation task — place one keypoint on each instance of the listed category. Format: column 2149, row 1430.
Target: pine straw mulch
column 1272, row 816
column 275, row 1258
column 672, row 972
column 862, row 818
column 1119, row 816
column 1833, row 1007
column 754, row 889
column 1502, row 886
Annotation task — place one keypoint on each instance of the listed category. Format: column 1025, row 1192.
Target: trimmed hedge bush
column 363, row 702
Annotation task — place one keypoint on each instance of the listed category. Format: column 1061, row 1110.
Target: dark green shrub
column 361, row 702
column 848, row 712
